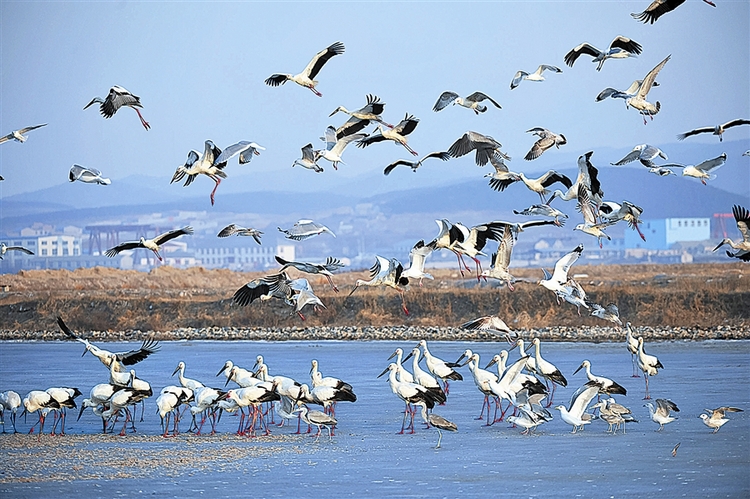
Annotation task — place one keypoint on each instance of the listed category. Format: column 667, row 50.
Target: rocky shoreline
column 594, row 334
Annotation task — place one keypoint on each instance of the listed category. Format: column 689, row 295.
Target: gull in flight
column 417, row 256
column 716, row 130
column 588, row 210
column 742, row 217
column 335, row 147
column 622, row 94
column 644, row 153
column 535, row 76
column 620, row 48
column 702, row 171
column 87, row 175
column 5, row 248
column 444, row 156
column 471, row 101
column 484, row 145
column 117, row 98
column 151, row 244
column 638, row 101
column 305, row 229
column 309, row 159
column 245, row 149
column 233, row 229
column 501, row 177
column 18, row 135
column 546, row 140
column 307, row 77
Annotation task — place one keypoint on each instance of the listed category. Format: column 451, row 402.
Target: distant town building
column 240, row 254
column 663, row 233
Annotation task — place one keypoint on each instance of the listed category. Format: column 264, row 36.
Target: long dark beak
column 222, row 370
column 392, row 355
column 514, row 346
column 468, row 359
column 408, row 356
column 352, row 291
column 175, row 371
column 86, row 349
column 579, row 368
column 719, row 246
column 528, row 348
column 227, row 382
column 80, row 413
column 384, row 371
column 462, row 357
column 490, row 363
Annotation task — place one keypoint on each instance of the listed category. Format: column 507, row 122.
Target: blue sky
column 199, row 69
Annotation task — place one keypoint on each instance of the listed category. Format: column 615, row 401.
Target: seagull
column 611, row 313
column 614, row 212
column 397, row 134
column 535, row 76
column 620, row 48
column 151, row 244
column 117, row 98
column 245, row 149
column 305, row 229
column 87, row 175
column 701, row 171
column 307, row 77
column 559, row 276
column 386, row 273
column 471, row 101
column 484, row 145
column 614, row 414
column 546, row 140
column 644, row 153
column 589, row 211
column 661, row 414
column 716, row 419
column 501, row 177
column 317, row 418
column 18, row 135
column 543, row 210
column 638, row 101
column 662, row 172
column 335, row 147
column 331, row 265
column 205, row 164
column 716, row 130
column 437, row 421
column 575, row 414
column 492, row 324
column 540, row 185
column 622, row 94
column 658, row 8
column 233, row 229
column 742, row 217
column 444, row 156
column 417, row 256
column 5, row 248
column 362, row 117
column 309, row 159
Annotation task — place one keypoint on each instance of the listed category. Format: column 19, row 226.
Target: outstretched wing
column 322, row 57
column 444, row 100
column 167, row 236
column 148, row 347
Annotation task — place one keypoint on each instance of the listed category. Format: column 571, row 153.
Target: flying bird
column 614, row 212
column 620, row 48
column 535, row 76
column 444, row 156
column 610, row 313
column 544, row 210
column 205, row 164
column 233, row 229
column 326, row 269
column 742, row 217
column 484, row 145
column 362, row 117
column 386, row 273
column 245, row 149
column 702, row 171
column 644, row 153
column 151, row 244
column 589, row 211
column 471, row 101
column 546, row 140
column 715, row 418
column 305, row 229
column 540, row 185
column 622, row 94
column 397, row 134
column 4, row 249
column 502, row 177
column 716, row 130
column 87, row 175
column 18, row 135
column 307, row 77
column 117, row 98
column 638, row 101
column 658, row 8
column 335, row 146
column 309, row 159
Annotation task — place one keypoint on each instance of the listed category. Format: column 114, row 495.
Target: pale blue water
column 367, row 459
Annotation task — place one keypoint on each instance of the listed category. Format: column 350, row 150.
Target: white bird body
column 645, row 153
column 309, row 159
column 403, row 374
column 638, row 101
column 545, row 368
column 193, row 384
column 661, row 414
column 202, row 164
column 576, row 414
column 397, row 134
column 622, row 94
column 472, row 101
column 362, row 117
column 150, row 244
column 304, row 229
column 10, row 401
column 424, row 378
column 116, row 98
column 4, row 248
column 556, row 281
column 742, row 218
column 620, row 48
column 609, row 313
column 307, row 77
column 244, row 148
column 589, row 211
column 18, row 135
column 335, row 146
column 439, row 367
column 715, row 417
column 417, row 256
column 702, row 171
column 649, row 364
column 715, row 130
column 605, row 385
column 535, row 76
column 87, row 175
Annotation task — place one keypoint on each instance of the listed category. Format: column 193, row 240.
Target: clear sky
column 200, row 67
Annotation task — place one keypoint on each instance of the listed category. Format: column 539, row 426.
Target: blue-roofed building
column 661, row 234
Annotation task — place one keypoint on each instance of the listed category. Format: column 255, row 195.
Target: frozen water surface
column 368, row 459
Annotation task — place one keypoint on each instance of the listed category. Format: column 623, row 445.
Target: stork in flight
column 397, row 134
column 307, row 77
column 742, row 217
column 151, row 244
column 117, row 98
column 620, row 48
column 658, row 8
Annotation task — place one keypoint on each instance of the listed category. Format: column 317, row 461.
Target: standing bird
column 326, row 269
column 535, row 76
column 309, row 159
column 649, row 364
column 437, row 421
column 317, row 418
column 716, row 419
column 638, row 101
column 742, row 217
column 233, row 229
column 716, row 130
column 10, row 401
column 658, row 8
column 117, row 98
column 444, row 156
column 87, row 175
column 471, row 101
column 304, row 229
column 307, row 77
column 5, row 248
column 546, row 140
column 631, row 343
column 702, row 171
column 484, row 145
column 37, row 400
column 605, row 385
column 644, row 153
column 335, row 146
column 362, row 117
column 197, row 164
column 620, row 48
column 661, row 414
column 151, row 244
column 575, row 414
column 18, row 135
column 397, row 134
column 440, row 368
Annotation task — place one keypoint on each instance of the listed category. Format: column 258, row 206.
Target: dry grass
column 166, row 298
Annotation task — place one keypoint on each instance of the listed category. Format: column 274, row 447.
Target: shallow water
column 367, row 458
